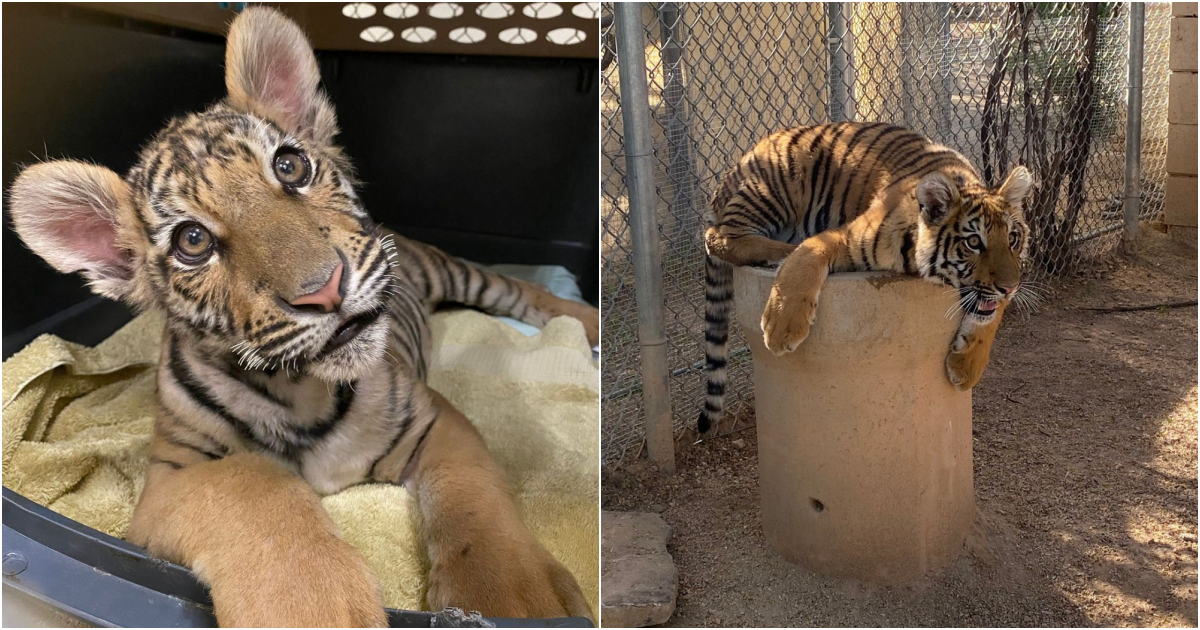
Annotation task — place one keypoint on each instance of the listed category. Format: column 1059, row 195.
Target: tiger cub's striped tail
column 718, row 303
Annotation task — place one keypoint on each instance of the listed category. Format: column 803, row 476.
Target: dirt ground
column 1085, row 472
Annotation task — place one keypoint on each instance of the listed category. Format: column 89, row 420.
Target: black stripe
column 173, row 464
column 406, row 415
column 892, row 138
column 829, row 183
column 281, row 339
column 203, row 398
column 814, row 169
column 420, row 441
column 175, row 440
column 932, row 161
column 933, row 258
column 906, row 249
column 458, row 281
column 944, row 236
column 797, row 134
column 852, row 174
column 362, row 257
column 299, row 439
column 283, row 323
column 258, row 388
column 875, row 242
column 345, row 399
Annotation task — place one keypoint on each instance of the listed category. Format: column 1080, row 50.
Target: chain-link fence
column 1043, row 84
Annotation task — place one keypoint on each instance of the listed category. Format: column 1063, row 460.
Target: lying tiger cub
column 859, row 197
column 294, row 355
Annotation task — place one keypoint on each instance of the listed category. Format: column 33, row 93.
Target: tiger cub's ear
column 1016, row 187
column 71, row 214
column 270, row 70
column 935, row 193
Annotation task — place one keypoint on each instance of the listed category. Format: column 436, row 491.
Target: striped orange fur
column 858, row 197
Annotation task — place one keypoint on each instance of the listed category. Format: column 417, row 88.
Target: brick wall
column 1180, row 211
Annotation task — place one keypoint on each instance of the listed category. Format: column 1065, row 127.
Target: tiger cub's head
column 974, row 238
column 240, row 223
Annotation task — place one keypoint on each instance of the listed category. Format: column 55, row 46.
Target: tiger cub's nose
column 327, row 299
column 1008, row 288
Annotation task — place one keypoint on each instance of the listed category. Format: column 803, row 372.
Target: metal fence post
column 1133, row 126
column 946, row 70
column 838, row 41
column 679, row 155
column 647, row 260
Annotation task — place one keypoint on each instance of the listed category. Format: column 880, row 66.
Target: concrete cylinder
column 864, row 446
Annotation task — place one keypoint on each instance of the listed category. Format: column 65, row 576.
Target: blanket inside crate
column 77, row 421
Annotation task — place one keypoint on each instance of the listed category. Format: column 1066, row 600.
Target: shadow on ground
column 1085, row 472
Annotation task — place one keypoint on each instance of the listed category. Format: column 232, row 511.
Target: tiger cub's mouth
column 985, row 307
column 979, row 305
column 348, row 330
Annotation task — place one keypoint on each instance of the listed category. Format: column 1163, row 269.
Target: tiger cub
column 294, row 357
column 857, row 197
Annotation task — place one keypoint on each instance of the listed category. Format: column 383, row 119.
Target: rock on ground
column 638, row 579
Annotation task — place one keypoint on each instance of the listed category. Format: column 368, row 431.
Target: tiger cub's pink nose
column 328, row 298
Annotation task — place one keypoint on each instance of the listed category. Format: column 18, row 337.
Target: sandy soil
column 1085, row 472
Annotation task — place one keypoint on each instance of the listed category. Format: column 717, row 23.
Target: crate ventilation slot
column 358, row 10
column 566, row 36
column 586, row 10
column 517, row 35
column 468, row 35
column 542, row 10
column 418, row 34
column 377, row 34
column 494, row 10
column 401, row 10
column 445, row 10
column 489, row 26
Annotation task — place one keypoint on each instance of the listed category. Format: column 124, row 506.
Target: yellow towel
column 77, row 421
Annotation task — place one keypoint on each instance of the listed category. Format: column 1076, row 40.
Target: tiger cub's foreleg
column 970, row 350
column 257, row 536
column 482, row 557
column 792, row 306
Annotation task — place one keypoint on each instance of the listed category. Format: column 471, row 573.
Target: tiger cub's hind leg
column 970, row 350
column 440, row 277
column 745, row 250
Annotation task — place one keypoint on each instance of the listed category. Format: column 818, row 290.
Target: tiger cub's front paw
column 508, row 574
column 965, row 368
column 786, row 321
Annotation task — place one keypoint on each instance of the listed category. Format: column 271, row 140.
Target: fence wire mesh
column 1041, row 84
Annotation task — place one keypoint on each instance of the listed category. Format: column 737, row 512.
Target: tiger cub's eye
column 292, row 168
column 193, row 243
column 974, row 242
